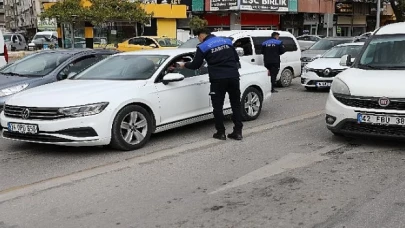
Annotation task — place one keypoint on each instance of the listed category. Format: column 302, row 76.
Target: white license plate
column 323, row 84
column 23, row 128
column 381, row 119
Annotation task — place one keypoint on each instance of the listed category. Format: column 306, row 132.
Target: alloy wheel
column 134, row 127
column 252, row 104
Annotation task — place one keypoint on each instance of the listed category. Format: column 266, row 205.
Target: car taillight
column 5, row 53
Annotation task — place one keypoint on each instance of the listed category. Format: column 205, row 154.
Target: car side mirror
column 172, row 77
column 240, row 51
column 153, row 46
column 346, row 60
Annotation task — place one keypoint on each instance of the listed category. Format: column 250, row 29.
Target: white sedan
column 123, row 99
column 320, row 72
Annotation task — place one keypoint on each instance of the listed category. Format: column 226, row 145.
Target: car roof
column 337, row 38
column 174, row 51
column 351, row 44
column 75, row 51
column 251, row 32
column 390, row 29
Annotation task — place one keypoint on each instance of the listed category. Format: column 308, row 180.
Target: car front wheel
column 132, row 128
column 252, row 103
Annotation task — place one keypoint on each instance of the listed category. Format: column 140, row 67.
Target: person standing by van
column 272, row 49
column 223, row 70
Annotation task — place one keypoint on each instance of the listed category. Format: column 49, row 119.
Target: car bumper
column 345, row 120
column 83, row 131
column 310, row 79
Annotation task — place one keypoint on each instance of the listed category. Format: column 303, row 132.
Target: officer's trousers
column 218, row 90
column 273, row 69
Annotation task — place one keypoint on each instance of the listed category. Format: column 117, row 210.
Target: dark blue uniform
column 272, row 49
column 223, row 64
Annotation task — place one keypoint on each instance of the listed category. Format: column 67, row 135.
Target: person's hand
column 181, row 65
column 171, row 68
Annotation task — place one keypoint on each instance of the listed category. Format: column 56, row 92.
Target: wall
column 166, row 27
column 316, row 6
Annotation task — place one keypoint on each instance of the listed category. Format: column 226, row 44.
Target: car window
column 168, row 42
column 289, row 44
column 37, row 65
column 313, row 38
column 123, row 67
column 7, row 38
column 246, row 44
column 149, row 42
column 136, row 41
column 326, row 44
column 303, row 38
column 339, row 51
column 385, row 52
column 187, row 73
column 80, row 64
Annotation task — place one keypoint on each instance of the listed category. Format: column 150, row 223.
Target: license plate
column 323, row 84
column 23, row 128
column 381, row 119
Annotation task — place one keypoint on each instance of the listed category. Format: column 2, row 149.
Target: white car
column 369, row 97
column 123, row 99
column 320, row 72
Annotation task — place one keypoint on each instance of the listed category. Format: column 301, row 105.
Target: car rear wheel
column 252, row 103
column 285, row 78
column 132, row 128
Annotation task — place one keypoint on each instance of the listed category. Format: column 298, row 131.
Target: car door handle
column 253, row 60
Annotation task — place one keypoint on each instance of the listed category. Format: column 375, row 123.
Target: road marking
column 290, row 161
column 19, row 191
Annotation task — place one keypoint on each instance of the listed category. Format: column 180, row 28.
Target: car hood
column 9, row 81
column 73, row 92
column 374, row 83
column 323, row 63
column 312, row 53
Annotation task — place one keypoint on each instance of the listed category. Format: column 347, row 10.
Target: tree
column 197, row 23
column 98, row 12
column 398, row 6
column 66, row 11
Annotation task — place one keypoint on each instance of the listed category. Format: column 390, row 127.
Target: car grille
column 16, row 112
column 332, row 73
column 381, row 130
column 370, row 102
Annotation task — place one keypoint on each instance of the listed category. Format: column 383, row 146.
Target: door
column 184, row 99
column 246, row 44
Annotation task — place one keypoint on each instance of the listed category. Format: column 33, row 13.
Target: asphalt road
column 289, row 171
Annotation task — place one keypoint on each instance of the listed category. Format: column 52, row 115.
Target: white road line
column 290, row 161
column 20, row 191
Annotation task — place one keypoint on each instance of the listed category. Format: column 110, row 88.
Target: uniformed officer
column 223, row 64
column 272, row 49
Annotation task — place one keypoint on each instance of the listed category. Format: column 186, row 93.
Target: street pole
column 378, row 14
column 327, row 30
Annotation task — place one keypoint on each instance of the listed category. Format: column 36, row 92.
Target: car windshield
column 39, row 36
column 326, row 44
column 193, row 42
column 385, row 52
column 168, row 42
column 36, row 65
column 338, row 52
column 7, row 38
column 123, row 67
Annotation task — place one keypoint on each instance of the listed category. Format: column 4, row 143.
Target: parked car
column 45, row 67
column 41, row 38
column 250, row 41
column 147, row 43
column 369, row 98
column 363, row 37
column 15, row 42
column 321, row 47
column 306, row 41
column 320, row 72
column 123, row 99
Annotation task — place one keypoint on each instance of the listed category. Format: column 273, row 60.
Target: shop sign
column 46, row 24
column 188, row 3
column 221, row 5
column 265, row 5
column 197, row 5
column 343, row 8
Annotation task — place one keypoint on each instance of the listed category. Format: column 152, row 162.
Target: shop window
column 246, row 44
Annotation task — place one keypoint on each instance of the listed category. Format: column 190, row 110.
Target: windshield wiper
column 14, row 74
column 371, row 66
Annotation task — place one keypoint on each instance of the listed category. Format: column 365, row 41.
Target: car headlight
column 83, row 110
column 339, row 87
column 12, row 90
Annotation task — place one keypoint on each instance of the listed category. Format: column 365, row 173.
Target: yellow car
column 147, row 42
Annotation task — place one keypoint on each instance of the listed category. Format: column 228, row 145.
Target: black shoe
column 235, row 136
column 219, row 135
column 274, row 91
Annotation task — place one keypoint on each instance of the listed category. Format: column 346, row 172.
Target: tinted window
column 288, row 42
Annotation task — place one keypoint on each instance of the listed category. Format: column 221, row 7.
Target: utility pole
column 378, row 22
